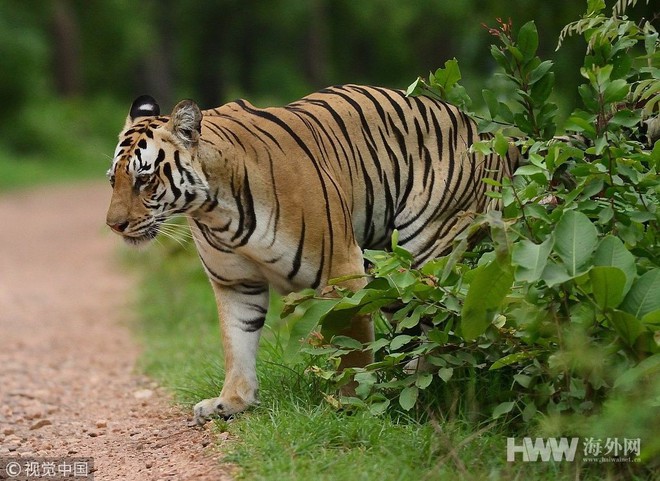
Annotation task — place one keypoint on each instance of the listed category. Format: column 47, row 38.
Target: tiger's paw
column 217, row 407
column 211, row 408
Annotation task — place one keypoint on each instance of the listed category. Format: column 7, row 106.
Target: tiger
column 289, row 197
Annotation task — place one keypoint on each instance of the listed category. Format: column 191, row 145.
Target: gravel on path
column 68, row 385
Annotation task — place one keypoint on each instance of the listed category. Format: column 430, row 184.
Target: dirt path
column 67, row 380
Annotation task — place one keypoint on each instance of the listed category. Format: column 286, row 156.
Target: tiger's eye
column 143, row 179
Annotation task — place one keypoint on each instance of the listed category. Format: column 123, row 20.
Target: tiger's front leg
column 242, row 312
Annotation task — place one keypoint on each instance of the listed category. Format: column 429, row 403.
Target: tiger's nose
column 118, row 227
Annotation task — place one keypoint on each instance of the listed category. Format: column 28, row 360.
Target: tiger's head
column 153, row 173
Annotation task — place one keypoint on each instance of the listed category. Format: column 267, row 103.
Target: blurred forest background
column 71, row 68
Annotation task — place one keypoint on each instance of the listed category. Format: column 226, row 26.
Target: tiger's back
column 374, row 159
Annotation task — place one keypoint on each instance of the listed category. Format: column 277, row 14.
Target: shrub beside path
column 68, row 385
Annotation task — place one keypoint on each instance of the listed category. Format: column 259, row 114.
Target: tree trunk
column 157, row 68
column 317, row 45
column 66, row 49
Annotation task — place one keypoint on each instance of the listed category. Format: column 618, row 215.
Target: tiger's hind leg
column 361, row 327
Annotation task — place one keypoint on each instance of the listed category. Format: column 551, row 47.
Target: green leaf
column 582, row 122
column 622, row 61
column 626, row 118
column 644, row 295
column 378, row 408
column 378, row 344
column 412, row 320
column 523, row 379
column 529, row 169
column 528, row 40
column 346, row 342
column 491, row 102
column 458, row 96
column 347, row 401
column 602, row 75
column 399, row 341
column 505, row 113
column 415, row 88
column 605, row 215
column 337, row 319
column 613, row 253
column 542, row 89
column 487, row 290
column 514, row 358
column 641, row 216
column 482, row 147
column 304, row 320
column 522, row 121
column 538, row 73
column 529, row 412
column 408, row 397
column 503, row 408
column 447, row 77
column 424, row 380
column 530, row 259
column 501, row 144
column 608, row 284
column 499, row 57
column 437, row 336
column 445, row 373
column 627, row 326
column 394, row 239
column 648, row 368
column 492, row 182
column 599, row 146
column 515, row 51
column 595, row 6
column 588, row 98
column 575, row 241
column 652, row 318
column 365, row 381
column 616, row 91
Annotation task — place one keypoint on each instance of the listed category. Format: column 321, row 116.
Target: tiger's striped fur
column 290, row 196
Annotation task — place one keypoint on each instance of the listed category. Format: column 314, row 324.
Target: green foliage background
column 263, row 49
column 70, row 68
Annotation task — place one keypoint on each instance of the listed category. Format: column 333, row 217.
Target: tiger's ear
column 186, row 122
column 143, row 106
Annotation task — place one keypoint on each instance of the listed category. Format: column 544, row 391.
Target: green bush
column 554, row 317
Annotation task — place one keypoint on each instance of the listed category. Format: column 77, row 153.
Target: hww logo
column 531, row 450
